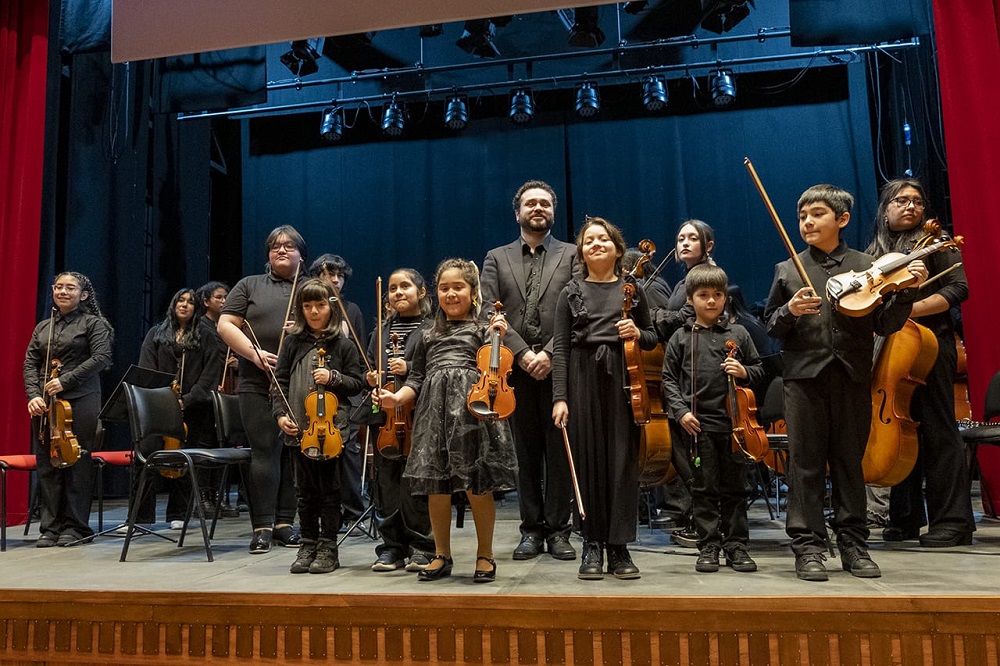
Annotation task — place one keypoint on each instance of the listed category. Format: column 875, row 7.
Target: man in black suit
column 527, row 276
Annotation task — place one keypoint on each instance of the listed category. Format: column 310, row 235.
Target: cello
column 492, row 398
column 749, row 437
column 172, row 443
column 636, row 388
column 903, row 361
column 320, row 439
column 394, row 437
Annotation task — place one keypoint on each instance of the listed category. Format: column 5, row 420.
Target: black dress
column 450, row 449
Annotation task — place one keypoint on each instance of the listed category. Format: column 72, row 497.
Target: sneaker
column 304, row 558
column 326, row 557
column 809, row 566
column 854, row 558
column 708, row 559
column 738, row 559
column 388, row 561
column 418, row 561
column 47, row 540
column 176, row 524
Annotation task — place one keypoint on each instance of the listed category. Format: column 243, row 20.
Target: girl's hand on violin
column 36, row 406
column 804, row 302
column 733, row 367
column 53, row 386
column 499, row 322
column 322, row 376
column 384, row 399
column 918, row 269
column 560, row 413
column 627, row 330
column 372, row 377
column 398, row 367
column 690, row 423
column 287, row 426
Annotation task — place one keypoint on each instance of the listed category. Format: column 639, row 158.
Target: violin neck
column 919, row 253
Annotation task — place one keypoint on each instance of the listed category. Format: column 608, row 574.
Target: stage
column 81, row 605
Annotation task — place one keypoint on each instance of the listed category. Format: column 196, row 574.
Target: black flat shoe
column 485, row 576
column 260, row 542
column 440, row 572
column 945, row 538
column 286, row 536
column 900, row 534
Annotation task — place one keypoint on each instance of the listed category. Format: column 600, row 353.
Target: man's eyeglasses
column 904, row 202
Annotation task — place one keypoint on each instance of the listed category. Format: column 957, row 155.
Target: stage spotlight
column 723, row 88
column 587, row 102
column 477, row 39
column 331, row 126
column 522, row 107
column 393, row 120
column 654, row 94
column 301, row 58
column 585, row 32
column 456, row 114
column 433, row 30
column 725, row 14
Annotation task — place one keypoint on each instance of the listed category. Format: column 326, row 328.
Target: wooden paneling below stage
column 144, row 628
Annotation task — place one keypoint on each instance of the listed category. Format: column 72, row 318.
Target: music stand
column 116, row 411
column 372, row 530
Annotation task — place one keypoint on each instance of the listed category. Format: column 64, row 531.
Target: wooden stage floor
column 81, row 605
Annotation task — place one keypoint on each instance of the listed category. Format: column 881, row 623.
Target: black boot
column 326, row 557
column 305, row 557
column 620, row 563
column 592, row 561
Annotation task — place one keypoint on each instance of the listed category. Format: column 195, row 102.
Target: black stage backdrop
column 414, row 202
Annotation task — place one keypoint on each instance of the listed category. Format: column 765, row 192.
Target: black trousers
column 271, row 487
column 402, row 516
column 544, row 485
column 317, row 488
column 65, row 493
column 941, row 462
column 719, row 494
column 828, row 419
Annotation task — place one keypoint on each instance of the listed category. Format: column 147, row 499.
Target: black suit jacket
column 503, row 279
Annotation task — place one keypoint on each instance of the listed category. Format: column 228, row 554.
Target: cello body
column 654, row 437
column 903, row 363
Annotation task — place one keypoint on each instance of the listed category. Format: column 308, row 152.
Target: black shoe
column 260, row 542
column 229, row 511
column 810, row 567
column 620, row 563
column 47, row 540
column 739, row 559
column 388, row 561
column 286, row 536
column 708, row 559
column 305, row 557
column 326, row 559
column 900, row 534
column 485, row 576
column 438, row 573
column 945, row 538
column 854, row 558
column 529, row 547
column 592, row 561
column 560, row 548
column 68, row 539
column 665, row 522
column 685, row 538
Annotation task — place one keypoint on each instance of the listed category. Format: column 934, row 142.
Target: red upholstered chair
column 102, row 459
column 985, row 460
column 23, row 463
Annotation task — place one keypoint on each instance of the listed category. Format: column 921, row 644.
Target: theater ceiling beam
column 141, row 29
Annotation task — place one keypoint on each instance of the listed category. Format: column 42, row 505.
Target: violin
column 171, row 443
column 903, row 361
column 492, row 398
column 749, row 437
column 64, row 449
column 637, row 391
column 856, row 293
column 394, row 437
column 321, row 439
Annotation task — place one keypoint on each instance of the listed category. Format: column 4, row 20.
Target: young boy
column 827, row 384
column 696, row 363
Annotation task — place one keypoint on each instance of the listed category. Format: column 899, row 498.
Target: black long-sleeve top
column 82, row 342
column 712, row 381
column 203, row 357
column 811, row 342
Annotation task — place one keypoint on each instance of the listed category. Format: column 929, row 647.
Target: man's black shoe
column 738, row 558
column 560, row 548
column 708, row 559
column 854, row 558
column 592, row 561
column 529, row 547
column 900, row 534
column 620, row 563
column 945, row 538
column 810, row 567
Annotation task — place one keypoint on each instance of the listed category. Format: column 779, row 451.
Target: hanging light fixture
column 331, row 125
column 393, row 119
column 585, row 33
column 522, row 107
column 588, row 104
column 723, row 88
column 456, row 113
column 654, row 94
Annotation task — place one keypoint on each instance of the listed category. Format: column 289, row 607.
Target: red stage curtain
column 23, row 55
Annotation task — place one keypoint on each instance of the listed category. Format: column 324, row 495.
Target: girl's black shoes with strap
column 485, row 576
column 438, row 573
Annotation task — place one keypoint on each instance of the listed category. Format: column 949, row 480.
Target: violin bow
column 270, row 372
column 656, row 271
column 42, row 423
column 777, row 223
column 225, row 368
column 378, row 337
column 695, row 457
column 291, row 299
column 572, row 474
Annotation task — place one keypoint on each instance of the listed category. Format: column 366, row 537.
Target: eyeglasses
column 904, row 202
column 68, row 288
column 287, row 247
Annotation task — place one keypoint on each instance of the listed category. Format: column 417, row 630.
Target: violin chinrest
column 483, row 411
